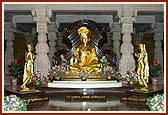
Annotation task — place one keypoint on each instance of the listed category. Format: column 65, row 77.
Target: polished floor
column 58, row 103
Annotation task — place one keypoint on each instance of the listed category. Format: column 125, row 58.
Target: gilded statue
column 28, row 67
column 143, row 67
column 84, row 57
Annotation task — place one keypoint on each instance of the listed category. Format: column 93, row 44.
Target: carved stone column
column 59, row 41
column 42, row 62
column 109, row 41
column 139, row 38
column 158, row 37
column 52, row 40
column 28, row 38
column 116, row 39
column 127, row 61
column 9, row 51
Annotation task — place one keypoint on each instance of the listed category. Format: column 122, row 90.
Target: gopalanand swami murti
column 143, row 67
column 84, row 57
column 28, row 67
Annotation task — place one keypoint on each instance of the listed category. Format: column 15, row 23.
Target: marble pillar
column 9, row 50
column 116, row 39
column 42, row 62
column 158, row 37
column 127, row 61
column 52, row 40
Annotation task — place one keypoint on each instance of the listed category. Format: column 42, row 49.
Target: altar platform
column 85, row 84
column 65, row 99
column 85, row 89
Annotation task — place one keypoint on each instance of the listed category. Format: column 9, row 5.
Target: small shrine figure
column 56, row 59
column 28, row 67
column 143, row 67
column 63, row 61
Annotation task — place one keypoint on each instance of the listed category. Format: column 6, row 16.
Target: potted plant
column 15, row 69
column 57, row 72
column 83, row 75
column 154, row 71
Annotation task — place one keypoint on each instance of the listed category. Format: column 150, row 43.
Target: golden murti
column 143, row 67
column 84, row 57
column 28, row 67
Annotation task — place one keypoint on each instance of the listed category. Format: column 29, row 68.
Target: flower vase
column 131, row 82
column 14, row 87
column 13, row 81
column 83, row 79
column 154, row 81
column 58, row 78
column 108, row 78
column 37, row 84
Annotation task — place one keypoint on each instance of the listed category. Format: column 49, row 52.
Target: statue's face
column 140, row 47
column 85, row 40
column 30, row 47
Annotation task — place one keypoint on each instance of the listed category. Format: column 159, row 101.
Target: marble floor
column 112, row 103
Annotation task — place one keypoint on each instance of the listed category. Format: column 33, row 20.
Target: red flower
column 15, row 61
column 154, row 62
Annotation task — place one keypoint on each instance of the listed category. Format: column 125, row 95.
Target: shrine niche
column 97, row 39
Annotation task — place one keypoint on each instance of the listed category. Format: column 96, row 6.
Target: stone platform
column 84, row 84
column 137, row 95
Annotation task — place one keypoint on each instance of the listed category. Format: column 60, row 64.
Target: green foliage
column 155, row 71
column 15, row 69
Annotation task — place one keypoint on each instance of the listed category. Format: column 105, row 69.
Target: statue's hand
column 136, row 55
column 71, row 61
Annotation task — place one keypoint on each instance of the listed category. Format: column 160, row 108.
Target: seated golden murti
column 84, row 59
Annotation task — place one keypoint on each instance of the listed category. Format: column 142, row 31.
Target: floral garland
column 83, row 74
column 40, row 78
column 156, row 103
column 57, row 72
column 104, row 61
column 14, row 103
column 109, row 71
column 132, row 77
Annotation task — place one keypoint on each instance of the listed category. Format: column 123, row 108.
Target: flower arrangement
column 83, row 75
column 156, row 103
column 57, row 72
column 39, row 78
column 155, row 69
column 14, row 103
column 15, row 68
column 108, row 71
column 104, row 61
column 132, row 77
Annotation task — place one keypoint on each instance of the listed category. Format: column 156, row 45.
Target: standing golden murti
column 28, row 67
column 143, row 67
column 84, row 57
